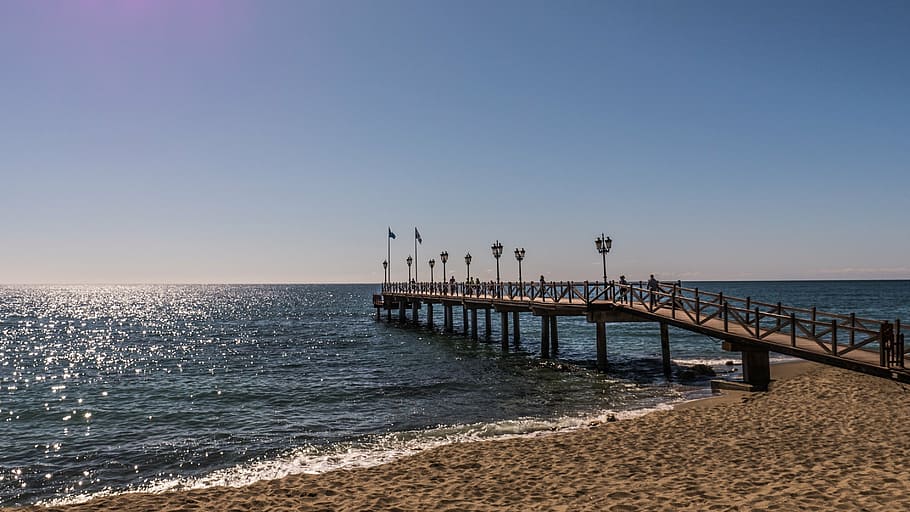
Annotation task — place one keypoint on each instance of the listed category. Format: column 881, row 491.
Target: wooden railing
column 836, row 334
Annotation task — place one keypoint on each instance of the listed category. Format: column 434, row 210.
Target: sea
column 115, row 389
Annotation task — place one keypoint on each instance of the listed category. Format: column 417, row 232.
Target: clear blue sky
column 206, row 141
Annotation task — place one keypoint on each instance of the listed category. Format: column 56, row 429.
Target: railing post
column 834, row 337
column 587, row 293
column 748, row 309
column 792, row 329
column 697, row 308
column 673, row 300
column 570, row 289
column 852, row 328
column 780, row 311
column 726, row 317
column 813, row 324
column 757, row 323
column 720, row 298
column 899, row 341
column 882, row 332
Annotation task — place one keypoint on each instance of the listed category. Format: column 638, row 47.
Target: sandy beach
column 821, row 439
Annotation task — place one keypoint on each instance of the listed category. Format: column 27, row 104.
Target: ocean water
column 109, row 389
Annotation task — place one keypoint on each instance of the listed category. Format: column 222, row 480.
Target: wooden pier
column 744, row 325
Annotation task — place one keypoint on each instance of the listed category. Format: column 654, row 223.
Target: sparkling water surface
column 118, row 388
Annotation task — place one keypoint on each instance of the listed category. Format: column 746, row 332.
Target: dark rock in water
column 703, row 370
column 685, row 374
column 611, row 417
column 695, row 372
column 730, row 363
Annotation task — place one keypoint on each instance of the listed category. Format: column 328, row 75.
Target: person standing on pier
column 623, row 289
column 653, row 288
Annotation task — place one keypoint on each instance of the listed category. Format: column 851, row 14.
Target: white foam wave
column 380, row 450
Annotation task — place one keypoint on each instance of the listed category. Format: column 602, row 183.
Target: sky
column 203, row 141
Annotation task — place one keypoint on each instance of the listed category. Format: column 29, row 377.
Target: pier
column 752, row 328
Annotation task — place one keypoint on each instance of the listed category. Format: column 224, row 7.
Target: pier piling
column 504, row 327
column 488, row 325
column 665, row 348
column 544, row 337
column 601, row 329
column 516, row 334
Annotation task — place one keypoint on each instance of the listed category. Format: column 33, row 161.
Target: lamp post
column 497, row 252
column 385, row 271
column 467, row 260
column 444, row 257
column 409, row 261
column 519, row 255
column 603, row 243
column 432, row 264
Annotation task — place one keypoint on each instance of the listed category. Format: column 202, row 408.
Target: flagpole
column 416, row 259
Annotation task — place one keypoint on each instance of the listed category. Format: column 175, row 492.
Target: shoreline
column 821, row 438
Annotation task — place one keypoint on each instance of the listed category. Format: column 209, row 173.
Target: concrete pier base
column 756, row 366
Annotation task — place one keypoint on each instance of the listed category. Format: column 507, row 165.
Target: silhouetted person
column 653, row 288
column 623, row 289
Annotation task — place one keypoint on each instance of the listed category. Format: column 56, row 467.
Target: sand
column 821, row 439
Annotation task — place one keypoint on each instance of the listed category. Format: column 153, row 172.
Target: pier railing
column 836, row 334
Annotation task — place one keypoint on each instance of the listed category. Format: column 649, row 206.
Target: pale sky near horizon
column 202, row 141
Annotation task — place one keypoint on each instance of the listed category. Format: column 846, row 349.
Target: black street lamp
column 409, row 260
column 385, row 271
column 444, row 257
column 519, row 255
column 467, row 260
column 497, row 252
column 432, row 264
column 603, row 243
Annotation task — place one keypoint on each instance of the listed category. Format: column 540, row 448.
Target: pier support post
column 756, row 366
column 401, row 316
column 430, row 315
column 516, row 335
column 388, row 312
column 464, row 319
column 474, row 324
column 665, row 347
column 545, row 337
column 415, row 312
column 601, row 328
column 504, row 327
column 488, row 325
column 554, row 335
column 447, row 316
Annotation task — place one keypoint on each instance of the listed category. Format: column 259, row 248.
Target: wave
column 369, row 452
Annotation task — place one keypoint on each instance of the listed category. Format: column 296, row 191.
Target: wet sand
column 821, row 439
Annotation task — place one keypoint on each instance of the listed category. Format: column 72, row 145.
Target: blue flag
column 391, row 235
column 417, row 235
